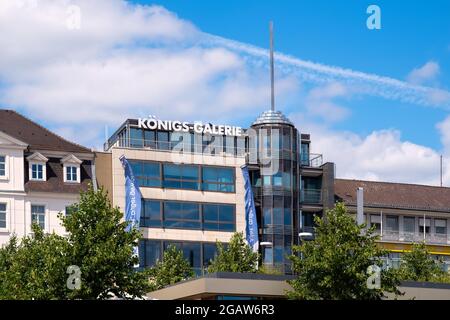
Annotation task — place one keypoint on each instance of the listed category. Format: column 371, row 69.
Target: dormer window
column 37, row 171
column 37, row 167
column 71, row 167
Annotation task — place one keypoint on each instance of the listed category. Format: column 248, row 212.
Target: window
column 181, row 176
column 69, row 210
column 2, row 166
column 392, row 223
column 37, row 171
column 184, row 215
column 150, row 252
column 38, row 215
column 440, row 226
column 209, row 253
column 375, row 220
column 219, row 217
column 426, row 227
column 409, row 224
column 304, row 154
column 136, row 140
column 3, row 215
column 188, row 215
column 71, row 174
column 151, row 214
column 163, row 140
column 148, row 174
column 218, row 179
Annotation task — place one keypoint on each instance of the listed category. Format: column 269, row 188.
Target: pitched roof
column 36, row 136
column 394, row 195
column 55, row 179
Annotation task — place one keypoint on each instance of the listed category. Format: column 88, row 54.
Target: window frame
column 5, row 228
column 77, row 172
column 44, row 214
column 6, row 168
column 44, row 170
column 217, row 183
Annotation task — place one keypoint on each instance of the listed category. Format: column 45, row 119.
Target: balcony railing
column 312, row 160
column 214, row 149
column 402, row 236
column 311, row 196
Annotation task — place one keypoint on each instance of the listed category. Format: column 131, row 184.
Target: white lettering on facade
column 197, row 127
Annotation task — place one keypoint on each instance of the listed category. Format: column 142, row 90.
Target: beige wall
column 118, row 182
column 103, row 172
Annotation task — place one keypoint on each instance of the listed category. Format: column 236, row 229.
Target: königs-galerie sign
column 197, row 127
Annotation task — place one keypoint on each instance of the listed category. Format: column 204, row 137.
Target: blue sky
column 376, row 102
column 335, row 33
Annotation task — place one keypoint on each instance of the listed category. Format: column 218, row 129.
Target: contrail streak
column 360, row 82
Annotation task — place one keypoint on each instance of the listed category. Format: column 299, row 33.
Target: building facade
column 403, row 214
column 41, row 175
column 191, row 181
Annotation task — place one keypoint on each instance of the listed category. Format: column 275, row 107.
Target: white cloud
column 379, row 156
column 320, row 102
column 317, row 73
column 125, row 61
column 426, row 73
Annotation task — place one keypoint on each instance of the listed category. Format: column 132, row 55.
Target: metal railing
column 403, row 236
column 311, row 196
column 213, row 148
column 311, row 160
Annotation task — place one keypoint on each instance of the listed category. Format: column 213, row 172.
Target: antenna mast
column 272, row 80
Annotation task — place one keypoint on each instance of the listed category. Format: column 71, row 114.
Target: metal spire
column 272, row 80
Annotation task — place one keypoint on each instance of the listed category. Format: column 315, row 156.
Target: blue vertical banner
column 251, row 229
column 133, row 199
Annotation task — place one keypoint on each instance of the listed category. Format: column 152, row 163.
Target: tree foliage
column 97, row 243
column 236, row 257
column 334, row 265
column 172, row 269
column 35, row 268
column 417, row 265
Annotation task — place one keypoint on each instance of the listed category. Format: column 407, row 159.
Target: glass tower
column 274, row 168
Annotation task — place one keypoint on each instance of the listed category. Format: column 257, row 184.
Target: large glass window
column 150, row 139
column 181, row 176
column 219, row 217
column 184, row 215
column 209, row 253
column 151, row 215
column 38, row 215
column 149, row 252
column 218, row 179
column 2, row 166
column 136, row 139
column 37, row 171
column 163, row 140
column 2, row 215
column 148, row 174
column 304, row 153
column 191, row 252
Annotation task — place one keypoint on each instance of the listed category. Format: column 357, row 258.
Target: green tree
column 35, row 268
column 417, row 265
column 335, row 264
column 237, row 257
column 172, row 269
column 103, row 250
